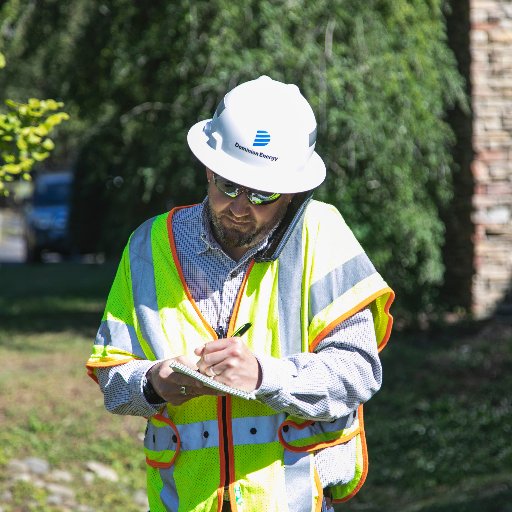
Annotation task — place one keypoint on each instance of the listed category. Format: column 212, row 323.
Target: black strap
column 150, row 394
column 284, row 230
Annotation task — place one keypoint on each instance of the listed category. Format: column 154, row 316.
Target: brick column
column 491, row 77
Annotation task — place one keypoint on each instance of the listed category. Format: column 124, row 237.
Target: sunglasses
column 233, row 190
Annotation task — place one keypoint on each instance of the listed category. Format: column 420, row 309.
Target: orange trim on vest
column 220, row 497
column 107, row 364
column 90, row 367
column 166, row 465
column 365, row 458
column 180, row 271
column 236, row 307
column 326, row 330
column 90, row 373
column 314, row 446
column 385, row 340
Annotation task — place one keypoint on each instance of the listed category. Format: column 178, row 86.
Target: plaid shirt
column 343, row 372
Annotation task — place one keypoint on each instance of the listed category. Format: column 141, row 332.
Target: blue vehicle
column 47, row 216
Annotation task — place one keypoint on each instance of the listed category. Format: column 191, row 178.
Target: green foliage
column 25, row 135
column 378, row 73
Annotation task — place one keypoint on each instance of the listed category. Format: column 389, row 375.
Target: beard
column 247, row 236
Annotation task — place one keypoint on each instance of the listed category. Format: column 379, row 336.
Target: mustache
column 246, row 219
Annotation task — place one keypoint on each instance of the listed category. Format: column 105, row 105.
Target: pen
column 242, row 330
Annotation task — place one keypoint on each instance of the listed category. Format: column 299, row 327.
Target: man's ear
column 209, row 174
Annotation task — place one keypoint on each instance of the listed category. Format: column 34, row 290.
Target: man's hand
column 229, row 361
column 175, row 387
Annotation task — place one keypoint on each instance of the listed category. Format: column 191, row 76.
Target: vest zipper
column 221, row 333
column 224, row 414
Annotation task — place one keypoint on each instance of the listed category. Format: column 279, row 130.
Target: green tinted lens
column 262, row 197
column 233, row 190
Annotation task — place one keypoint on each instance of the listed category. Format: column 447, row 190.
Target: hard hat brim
column 266, row 178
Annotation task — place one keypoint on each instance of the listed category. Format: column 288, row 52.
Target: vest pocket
column 298, row 435
column 162, row 442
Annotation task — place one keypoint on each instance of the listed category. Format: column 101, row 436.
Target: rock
column 17, row 466
column 21, row 477
column 37, row 466
column 103, row 472
column 59, row 475
column 88, row 478
column 54, row 500
column 6, row 497
column 140, row 498
column 84, row 508
column 60, row 490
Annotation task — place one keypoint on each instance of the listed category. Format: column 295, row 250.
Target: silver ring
column 183, row 390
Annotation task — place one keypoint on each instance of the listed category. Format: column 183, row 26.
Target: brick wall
column 491, row 78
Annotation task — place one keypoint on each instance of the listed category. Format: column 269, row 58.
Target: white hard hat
column 262, row 136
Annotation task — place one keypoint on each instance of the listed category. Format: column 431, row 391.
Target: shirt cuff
column 138, row 380
column 272, row 371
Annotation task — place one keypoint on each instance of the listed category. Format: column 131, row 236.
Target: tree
column 25, row 135
column 378, row 73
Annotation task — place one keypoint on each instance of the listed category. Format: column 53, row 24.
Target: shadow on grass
column 501, row 502
column 52, row 298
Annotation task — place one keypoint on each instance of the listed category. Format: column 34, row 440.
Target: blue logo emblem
column 262, row 138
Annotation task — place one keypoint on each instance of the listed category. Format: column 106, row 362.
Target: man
column 258, row 250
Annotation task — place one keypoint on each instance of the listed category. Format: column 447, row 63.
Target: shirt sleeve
column 343, row 372
column 122, row 388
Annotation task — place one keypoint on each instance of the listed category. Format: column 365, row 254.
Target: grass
column 49, row 408
column 438, row 432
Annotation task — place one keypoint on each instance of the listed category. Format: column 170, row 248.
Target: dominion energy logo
column 262, row 138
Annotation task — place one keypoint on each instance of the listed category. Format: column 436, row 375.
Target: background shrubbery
column 135, row 77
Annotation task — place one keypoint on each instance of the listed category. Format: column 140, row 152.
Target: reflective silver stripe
column 312, row 137
column 297, row 472
column 195, row 436
column 220, row 108
column 211, row 126
column 144, row 290
column 160, row 438
column 339, row 281
column 119, row 335
column 291, row 264
column 169, row 495
column 205, row 434
column 256, row 429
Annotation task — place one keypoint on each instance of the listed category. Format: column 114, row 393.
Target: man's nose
column 240, row 205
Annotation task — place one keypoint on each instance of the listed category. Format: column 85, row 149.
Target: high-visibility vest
column 321, row 277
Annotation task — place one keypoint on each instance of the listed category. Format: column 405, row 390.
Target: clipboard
column 211, row 382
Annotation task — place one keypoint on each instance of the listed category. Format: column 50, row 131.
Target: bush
column 379, row 75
